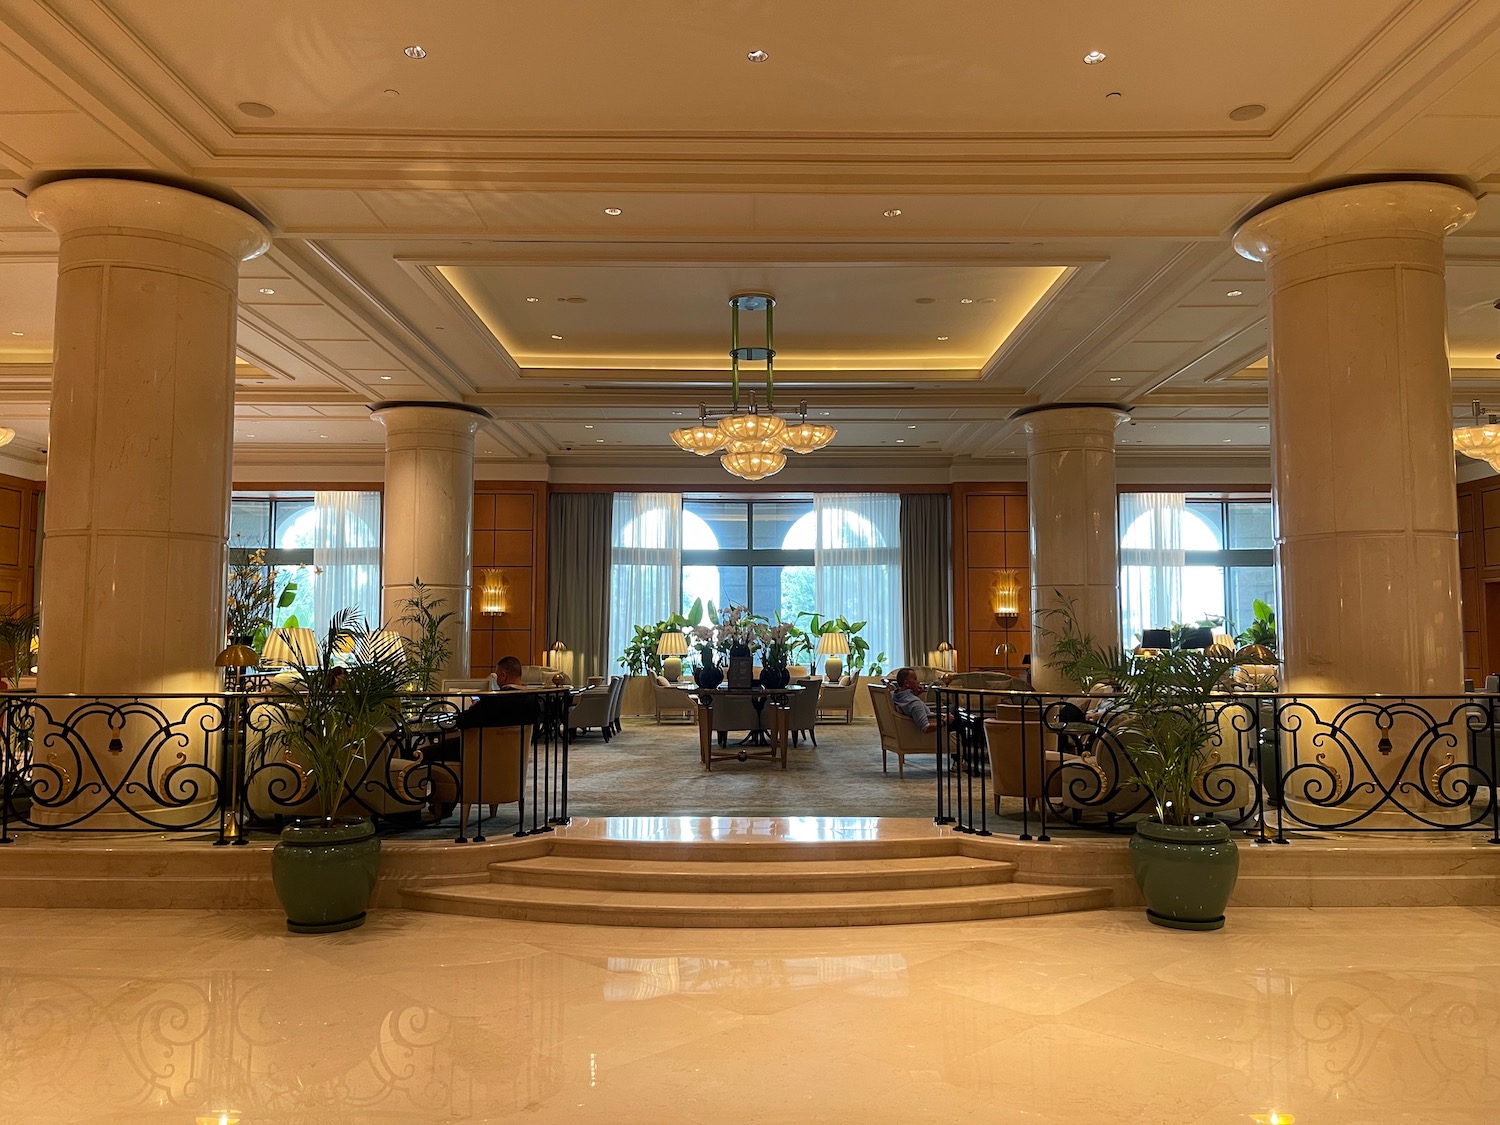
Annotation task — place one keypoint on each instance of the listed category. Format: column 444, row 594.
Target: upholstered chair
column 671, row 701
column 804, row 711
column 591, row 711
column 837, row 700
column 898, row 734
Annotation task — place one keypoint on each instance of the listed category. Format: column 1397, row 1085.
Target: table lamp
column 672, row 646
column 291, row 646
column 833, row 646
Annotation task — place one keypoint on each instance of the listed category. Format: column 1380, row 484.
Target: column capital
column 1394, row 208
column 121, row 206
column 1081, row 421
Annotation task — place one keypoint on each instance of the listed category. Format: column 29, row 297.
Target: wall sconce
column 492, row 593
column 1007, row 598
column 1006, row 594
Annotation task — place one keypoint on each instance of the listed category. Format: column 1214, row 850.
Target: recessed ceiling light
column 256, row 109
column 757, row 55
column 588, row 425
column 386, row 378
column 1228, row 440
column 911, row 427
column 572, row 300
column 892, row 213
column 986, row 301
column 1235, row 293
column 600, row 440
column 1094, row 57
column 926, row 300
column 1114, row 378
column 392, row 92
column 249, row 435
column 323, row 436
column 18, row 333
column 612, row 211
column 966, row 300
column 1112, row 94
column 942, row 337
column 414, row 52
column 900, row 441
column 825, row 414
column 555, row 336
column 676, row 414
column 1248, row 112
column 532, row 300
column 269, row 292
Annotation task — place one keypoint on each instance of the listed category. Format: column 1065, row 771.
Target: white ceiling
column 417, row 203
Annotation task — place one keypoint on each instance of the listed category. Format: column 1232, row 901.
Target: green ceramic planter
column 324, row 872
column 1186, row 872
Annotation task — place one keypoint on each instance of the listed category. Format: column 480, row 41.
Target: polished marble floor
column 1323, row 1017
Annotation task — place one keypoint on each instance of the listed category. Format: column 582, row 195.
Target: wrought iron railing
column 1277, row 765
column 210, row 764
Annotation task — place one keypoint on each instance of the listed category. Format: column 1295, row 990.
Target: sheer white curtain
column 645, row 565
column 857, row 564
column 346, row 556
column 1151, row 562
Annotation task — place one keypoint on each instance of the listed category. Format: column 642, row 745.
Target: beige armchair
column 590, row 710
column 898, row 734
column 536, row 675
column 1021, row 765
column 732, row 714
column 671, row 701
column 837, row 699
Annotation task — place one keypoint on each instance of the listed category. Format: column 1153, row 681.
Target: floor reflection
column 1328, row 1018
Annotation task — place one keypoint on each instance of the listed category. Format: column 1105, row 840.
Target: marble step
column 739, row 876
column 757, row 910
column 749, row 848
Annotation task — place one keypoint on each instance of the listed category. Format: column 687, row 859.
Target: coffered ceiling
column 893, row 173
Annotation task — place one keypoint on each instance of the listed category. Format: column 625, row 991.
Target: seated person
column 906, row 697
column 507, row 673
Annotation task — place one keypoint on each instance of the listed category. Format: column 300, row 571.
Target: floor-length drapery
column 857, row 566
column 646, row 565
column 578, row 582
column 926, row 573
column 1151, row 562
column 346, row 556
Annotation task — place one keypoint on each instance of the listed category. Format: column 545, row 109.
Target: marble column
column 138, row 472
column 1365, row 499
column 1075, row 551
column 138, row 479
column 429, row 513
column 1361, row 436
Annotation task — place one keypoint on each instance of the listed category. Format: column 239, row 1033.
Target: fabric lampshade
column 291, row 646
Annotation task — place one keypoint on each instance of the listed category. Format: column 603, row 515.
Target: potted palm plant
column 1185, row 863
column 327, row 714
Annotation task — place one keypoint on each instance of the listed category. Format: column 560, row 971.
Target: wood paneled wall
column 991, row 531
column 18, row 530
column 1479, row 566
column 510, row 534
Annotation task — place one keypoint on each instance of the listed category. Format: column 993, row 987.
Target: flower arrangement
column 706, row 642
column 252, row 597
column 776, row 641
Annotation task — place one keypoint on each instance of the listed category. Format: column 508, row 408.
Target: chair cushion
column 663, row 681
column 846, row 679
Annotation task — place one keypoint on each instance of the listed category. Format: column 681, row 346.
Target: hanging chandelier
column 1481, row 440
column 753, row 438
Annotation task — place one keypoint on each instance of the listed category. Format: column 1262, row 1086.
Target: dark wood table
column 777, row 728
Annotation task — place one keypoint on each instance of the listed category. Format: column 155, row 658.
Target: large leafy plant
column 1261, row 631
column 18, row 625
column 327, row 712
column 640, row 657
column 859, row 648
column 1165, row 705
column 432, row 647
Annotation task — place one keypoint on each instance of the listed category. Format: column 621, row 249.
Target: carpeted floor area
column 655, row 769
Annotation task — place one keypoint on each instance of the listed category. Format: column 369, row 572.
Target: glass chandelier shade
column 1480, row 441
column 754, row 462
column 701, row 439
column 805, row 436
column 751, row 427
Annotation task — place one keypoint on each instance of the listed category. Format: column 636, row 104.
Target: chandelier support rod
column 734, row 354
column 770, row 360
